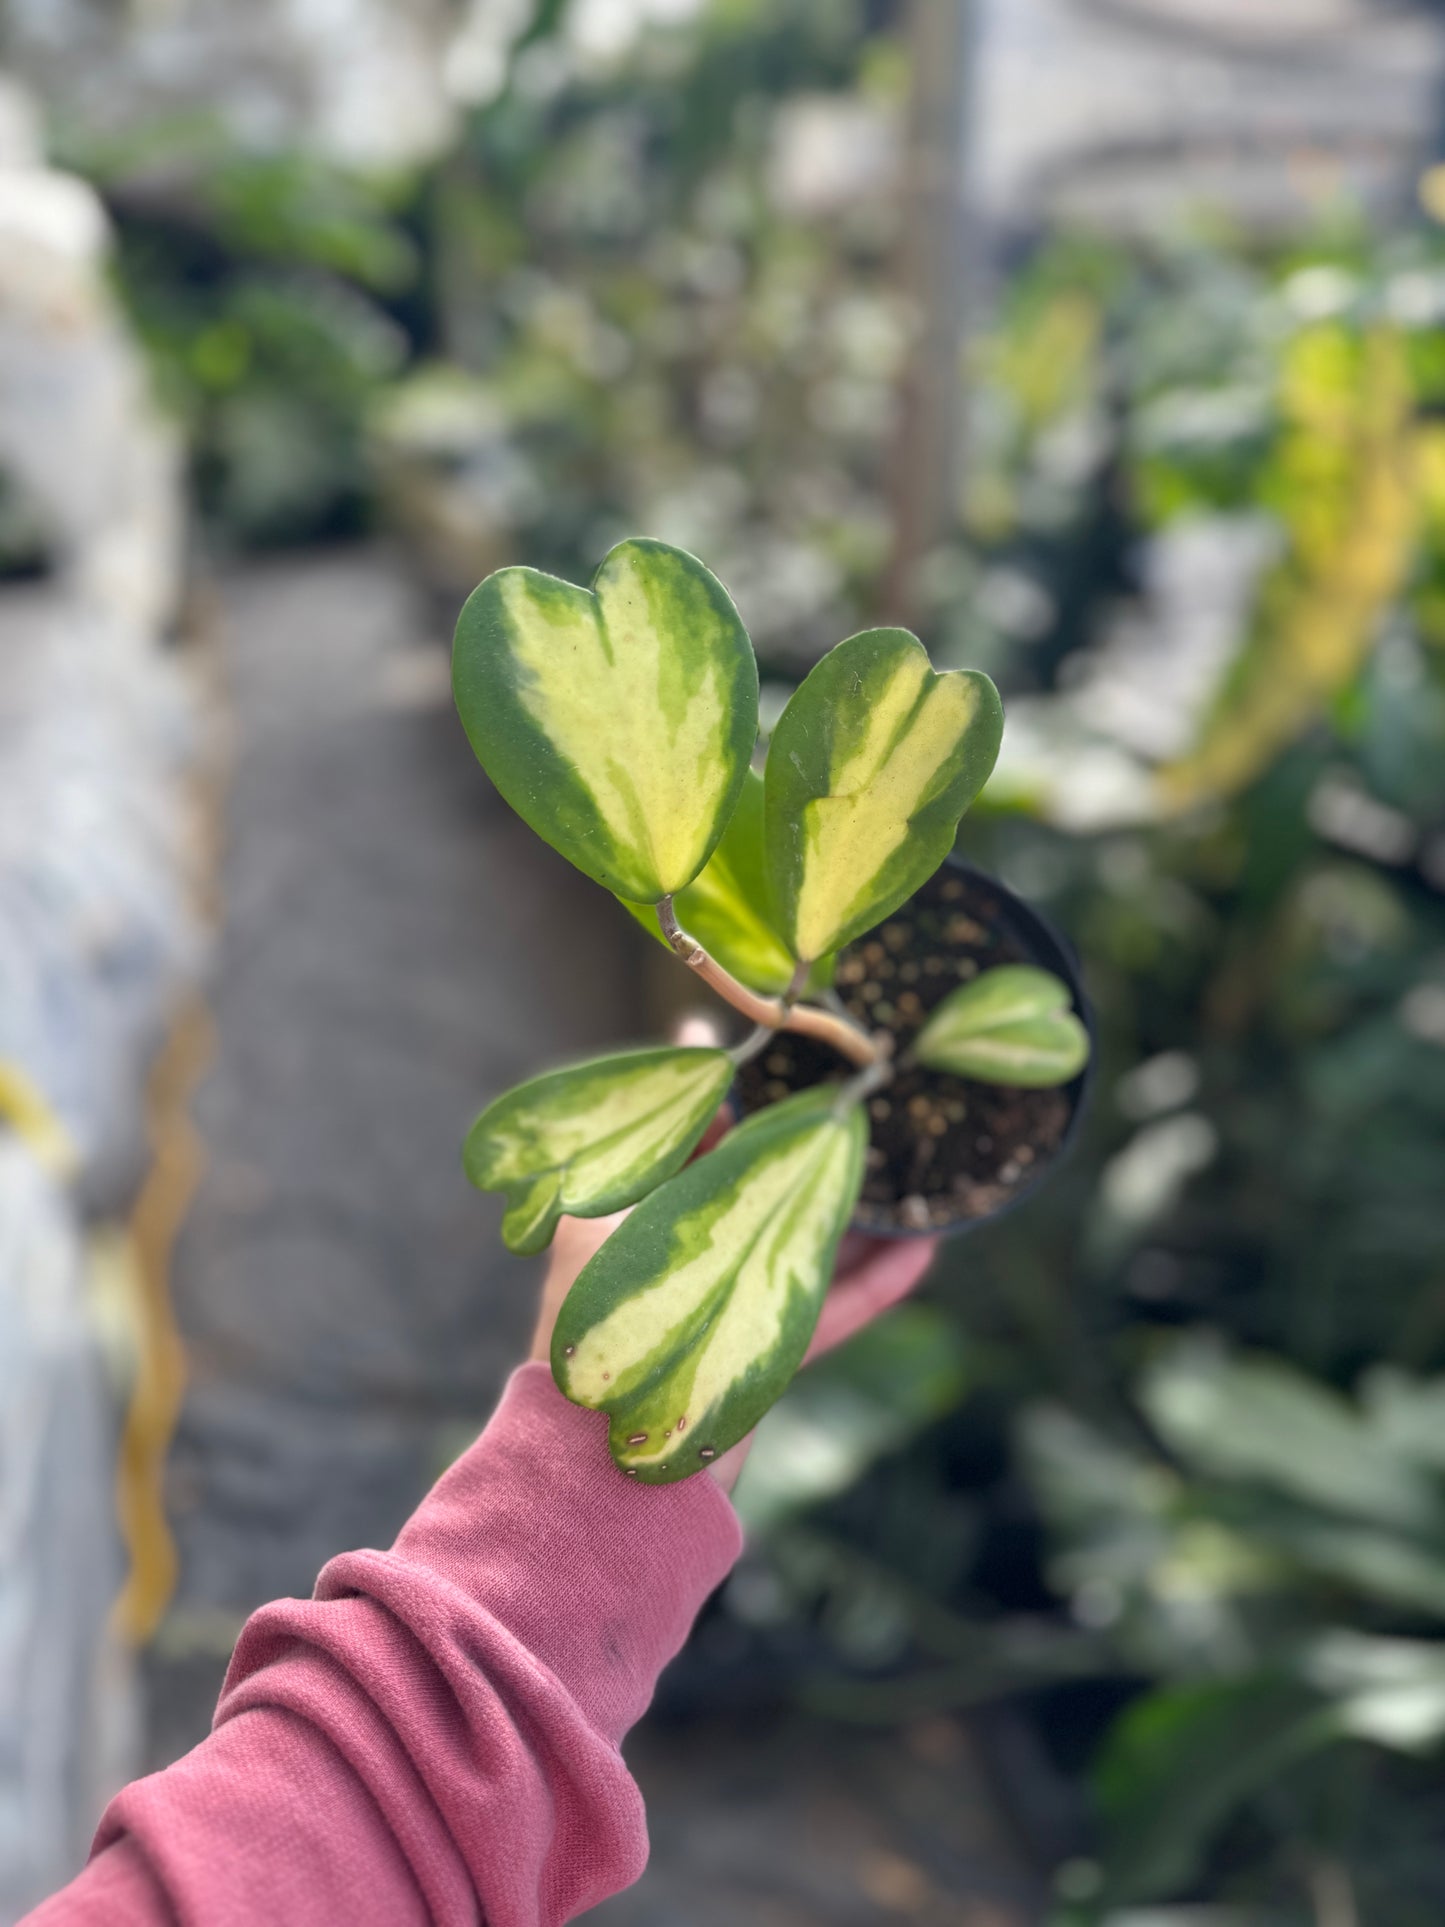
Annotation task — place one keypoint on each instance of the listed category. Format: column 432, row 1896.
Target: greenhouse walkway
column 395, row 948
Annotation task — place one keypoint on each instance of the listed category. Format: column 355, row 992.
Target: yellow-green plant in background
column 1344, row 483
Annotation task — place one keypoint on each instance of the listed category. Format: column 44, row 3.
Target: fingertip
column 875, row 1285
column 576, row 1239
column 909, row 1259
column 698, row 1031
column 716, row 1131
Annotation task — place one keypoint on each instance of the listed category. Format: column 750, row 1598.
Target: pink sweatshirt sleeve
column 433, row 1737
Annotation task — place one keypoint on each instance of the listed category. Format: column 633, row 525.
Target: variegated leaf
column 1011, row 1025
column 592, row 1138
column 697, row 1311
column 872, row 763
column 619, row 721
column 728, row 907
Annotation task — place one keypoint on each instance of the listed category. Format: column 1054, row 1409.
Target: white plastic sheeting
column 59, row 1556
column 97, row 928
column 98, row 933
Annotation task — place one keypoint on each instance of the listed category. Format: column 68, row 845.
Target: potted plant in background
column 621, row 723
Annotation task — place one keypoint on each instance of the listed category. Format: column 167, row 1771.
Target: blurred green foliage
column 1194, row 1503
column 277, row 296
column 667, row 333
column 1161, row 1462
column 605, row 315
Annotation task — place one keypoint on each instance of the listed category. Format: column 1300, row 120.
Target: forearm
column 434, row 1735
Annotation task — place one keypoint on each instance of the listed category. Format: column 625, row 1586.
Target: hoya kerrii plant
column 621, row 723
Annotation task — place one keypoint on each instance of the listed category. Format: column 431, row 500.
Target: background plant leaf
column 617, row 722
column 592, row 1138
column 1184, row 1758
column 872, row 763
column 1254, row 1419
column 1011, row 1025
column 693, row 1317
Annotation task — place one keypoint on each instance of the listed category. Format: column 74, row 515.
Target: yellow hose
column 177, row 1160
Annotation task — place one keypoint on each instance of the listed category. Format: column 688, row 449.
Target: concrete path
column 780, row 1821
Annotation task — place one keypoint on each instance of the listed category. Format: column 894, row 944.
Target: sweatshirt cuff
column 596, row 1576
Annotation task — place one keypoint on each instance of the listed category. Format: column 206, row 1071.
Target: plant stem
column 757, row 1038
column 777, row 1013
column 863, row 1084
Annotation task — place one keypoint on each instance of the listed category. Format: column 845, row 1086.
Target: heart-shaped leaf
column 619, row 721
column 728, row 906
column 592, row 1138
column 1011, row 1025
column 697, row 1311
column 872, row 763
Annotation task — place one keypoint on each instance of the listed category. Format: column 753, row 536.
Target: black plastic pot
column 993, row 1147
